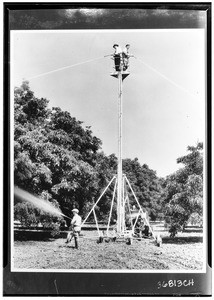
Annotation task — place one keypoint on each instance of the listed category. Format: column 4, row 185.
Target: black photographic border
column 97, row 284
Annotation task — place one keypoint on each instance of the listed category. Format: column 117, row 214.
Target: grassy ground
column 185, row 252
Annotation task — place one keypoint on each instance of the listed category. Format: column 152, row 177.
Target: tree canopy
column 184, row 190
column 52, row 151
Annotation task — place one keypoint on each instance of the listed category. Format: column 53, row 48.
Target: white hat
column 75, row 210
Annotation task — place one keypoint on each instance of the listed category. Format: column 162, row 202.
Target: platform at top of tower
column 124, row 74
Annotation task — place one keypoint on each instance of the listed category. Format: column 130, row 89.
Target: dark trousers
column 117, row 62
column 74, row 234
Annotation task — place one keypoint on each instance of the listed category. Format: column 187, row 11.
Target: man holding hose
column 75, row 226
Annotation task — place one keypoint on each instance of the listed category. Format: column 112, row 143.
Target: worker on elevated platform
column 117, row 56
column 125, row 57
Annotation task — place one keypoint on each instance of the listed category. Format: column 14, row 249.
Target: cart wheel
column 129, row 241
column 100, row 240
column 159, row 243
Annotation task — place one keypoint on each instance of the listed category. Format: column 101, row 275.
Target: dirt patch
column 184, row 254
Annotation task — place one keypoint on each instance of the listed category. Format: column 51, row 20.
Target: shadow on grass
column 65, row 245
column 33, row 236
column 188, row 230
column 193, row 230
column 183, row 240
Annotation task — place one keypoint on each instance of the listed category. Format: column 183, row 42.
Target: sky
column 163, row 97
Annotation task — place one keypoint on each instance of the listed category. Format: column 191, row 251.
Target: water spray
column 38, row 202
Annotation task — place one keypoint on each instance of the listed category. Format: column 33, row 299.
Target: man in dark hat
column 117, row 56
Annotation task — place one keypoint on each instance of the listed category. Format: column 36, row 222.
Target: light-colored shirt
column 117, row 50
column 76, row 221
column 126, row 51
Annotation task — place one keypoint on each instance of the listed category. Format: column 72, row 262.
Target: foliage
column 30, row 216
column 52, row 152
column 146, row 186
column 184, row 191
column 26, row 214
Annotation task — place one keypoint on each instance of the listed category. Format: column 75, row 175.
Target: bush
column 173, row 230
column 27, row 214
column 30, row 216
column 55, row 230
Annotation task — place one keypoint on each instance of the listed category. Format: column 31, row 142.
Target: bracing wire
column 139, row 59
column 63, row 68
column 166, row 78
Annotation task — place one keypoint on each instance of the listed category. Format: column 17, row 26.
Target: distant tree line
column 59, row 160
column 183, row 199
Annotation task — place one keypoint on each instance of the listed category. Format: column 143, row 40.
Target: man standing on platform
column 117, row 56
column 125, row 55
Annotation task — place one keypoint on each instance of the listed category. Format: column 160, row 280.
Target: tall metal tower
column 121, row 185
column 121, row 72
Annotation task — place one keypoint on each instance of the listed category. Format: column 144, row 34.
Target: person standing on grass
column 75, row 227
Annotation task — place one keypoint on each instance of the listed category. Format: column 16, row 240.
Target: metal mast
column 121, row 61
column 121, row 73
column 120, row 200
